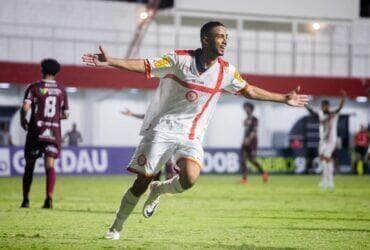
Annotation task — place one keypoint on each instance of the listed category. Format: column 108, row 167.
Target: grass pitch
column 288, row 212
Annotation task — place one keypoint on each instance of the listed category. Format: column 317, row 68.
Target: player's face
column 325, row 107
column 217, row 40
column 248, row 110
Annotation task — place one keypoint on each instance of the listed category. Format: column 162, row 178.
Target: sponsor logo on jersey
column 192, row 96
column 54, row 91
column 141, row 160
column 163, row 62
column 43, row 91
column 238, row 77
column 47, row 134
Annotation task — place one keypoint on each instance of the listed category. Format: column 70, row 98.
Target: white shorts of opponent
column 156, row 149
column 326, row 149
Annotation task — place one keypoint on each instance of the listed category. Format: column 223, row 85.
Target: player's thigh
column 150, row 156
column 32, row 149
column 189, row 171
column 51, row 151
column 189, row 158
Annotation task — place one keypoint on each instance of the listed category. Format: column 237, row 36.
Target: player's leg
column 128, row 203
column 256, row 164
column 50, row 181
column 31, row 153
column 27, row 180
column 171, row 170
column 157, row 177
column 189, row 173
column 146, row 163
column 330, row 170
column 51, row 152
column 243, row 166
column 324, row 173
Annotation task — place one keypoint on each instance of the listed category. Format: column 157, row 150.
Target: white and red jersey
column 328, row 127
column 185, row 100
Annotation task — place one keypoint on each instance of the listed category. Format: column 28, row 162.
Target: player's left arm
column 291, row 98
column 342, row 102
column 253, row 134
column 26, row 106
column 23, row 114
column 237, row 85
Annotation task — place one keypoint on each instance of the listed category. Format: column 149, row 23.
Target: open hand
column 96, row 60
column 126, row 112
column 296, row 100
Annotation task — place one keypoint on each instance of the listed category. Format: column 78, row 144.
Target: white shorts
column 156, row 149
column 326, row 149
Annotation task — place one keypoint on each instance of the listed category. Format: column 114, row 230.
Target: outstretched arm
column 129, row 113
column 102, row 59
column 311, row 110
column 341, row 104
column 292, row 98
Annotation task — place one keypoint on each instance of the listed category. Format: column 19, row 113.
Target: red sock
column 50, row 182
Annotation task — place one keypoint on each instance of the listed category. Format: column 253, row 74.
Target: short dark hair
column 207, row 27
column 325, row 102
column 249, row 105
column 50, row 66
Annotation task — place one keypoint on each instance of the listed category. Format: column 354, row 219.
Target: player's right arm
column 27, row 101
column 102, row 59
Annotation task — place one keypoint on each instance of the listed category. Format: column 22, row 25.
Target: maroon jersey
column 251, row 124
column 48, row 100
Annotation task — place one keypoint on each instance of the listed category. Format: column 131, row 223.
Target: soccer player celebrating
column 328, row 138
column 249, row 146
column 48, row 103
column 190, row 86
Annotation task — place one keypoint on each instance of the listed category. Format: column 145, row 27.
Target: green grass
column 288, row 212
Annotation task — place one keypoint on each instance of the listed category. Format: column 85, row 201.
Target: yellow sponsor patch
column 238, row 77
column 163, row 62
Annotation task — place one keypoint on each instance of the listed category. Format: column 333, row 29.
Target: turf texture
column 217, row 213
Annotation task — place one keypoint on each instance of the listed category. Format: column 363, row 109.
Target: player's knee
column 140, row 185
column 187, row 181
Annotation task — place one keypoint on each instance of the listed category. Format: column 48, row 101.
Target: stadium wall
column 32, row 30
column 339, row 9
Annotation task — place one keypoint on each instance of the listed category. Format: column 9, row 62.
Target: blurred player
column 328, row 138
column 171, row 169
column 361, row 148
column 48, row 103
column 250, row 143
column 190, row 86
